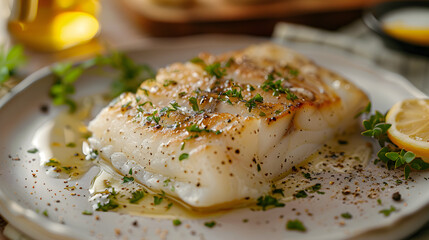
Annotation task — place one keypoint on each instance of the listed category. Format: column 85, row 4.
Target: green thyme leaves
column 110, row 204
column 215, row 70
column 300, row 194
column 366, row 110
column 295, row 225
column 390, row 154
column 387, row 212
column 157, row 200
column 136, row 197
column 9, row 62
column 183, row 156
column 252, row 103
column 268, row 202
column 376, row 127
column 126, row 179
column 194, row 104
column 276, row 85
column 210, row 224
column 33, row 150
column 346, row 215
column 62, row 89
column 130, row 76
column 177, row 222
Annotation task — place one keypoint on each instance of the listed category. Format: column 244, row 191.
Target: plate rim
column 46, row 228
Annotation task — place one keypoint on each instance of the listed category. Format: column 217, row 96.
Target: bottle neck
column 24, row 10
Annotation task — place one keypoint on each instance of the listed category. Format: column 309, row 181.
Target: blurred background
column 59, row 30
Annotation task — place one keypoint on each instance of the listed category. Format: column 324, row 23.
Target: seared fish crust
column 219, row 129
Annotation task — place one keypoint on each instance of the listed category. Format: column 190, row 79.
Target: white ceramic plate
column 23, row 196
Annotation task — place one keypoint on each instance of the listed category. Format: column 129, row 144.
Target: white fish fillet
column 236, row 146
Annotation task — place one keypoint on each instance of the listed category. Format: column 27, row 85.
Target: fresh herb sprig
column 9, row 62
column 390, row 154
column 131, row 75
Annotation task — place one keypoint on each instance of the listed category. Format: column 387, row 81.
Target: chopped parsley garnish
column 177, row 222
column 262, row 114
column 166, row 182
column 268, row 201
column 194, row 128
column 294, row 72
column 126, row 105
column 278, row 191
column 174, row 107
column 234, row 92
column 183, row 156
column 250, row 88
column 258, row 167
column 210, row 224
column 252, row 102
column 229, row 62
column 194, row 104
column 136, row 196
column 33, row 150
column 169, row 82
column 67, row 169
column 154, row 117
column 316, row 187
column 108, row 206
column 277, row 87
column 387, row 212
column 390, row 154
column 145, row 91
column 346, row 215
column 45, row 213
column 111, row 204
column 215, row 70
column 301, row 194
column 130, row 171
column 296, row 225
column 52, row 162
column 197, row 60
column 307, row 175
column 379, row 201
column 126, row 179
column 169, row 205
column 86, row 212
column 157, row 200
column 71, row 145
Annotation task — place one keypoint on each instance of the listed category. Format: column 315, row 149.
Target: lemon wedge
column 410, row 126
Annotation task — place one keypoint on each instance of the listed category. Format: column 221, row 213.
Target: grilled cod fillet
column 217, row 130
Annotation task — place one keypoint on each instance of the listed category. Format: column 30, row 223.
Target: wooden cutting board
column 240, row 16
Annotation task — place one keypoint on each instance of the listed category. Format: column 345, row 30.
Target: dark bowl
column 372, row 18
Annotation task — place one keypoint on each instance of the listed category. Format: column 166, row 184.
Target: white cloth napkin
column 357, row 39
